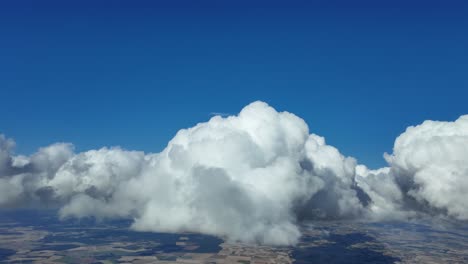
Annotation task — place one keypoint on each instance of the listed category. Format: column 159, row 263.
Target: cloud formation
column 428, row 171
column 252, row 177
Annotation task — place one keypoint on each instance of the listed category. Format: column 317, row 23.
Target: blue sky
column 116, row 73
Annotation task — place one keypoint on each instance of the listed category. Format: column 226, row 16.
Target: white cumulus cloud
column 252, row 177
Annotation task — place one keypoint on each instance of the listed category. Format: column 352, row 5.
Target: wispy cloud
column 220, row 114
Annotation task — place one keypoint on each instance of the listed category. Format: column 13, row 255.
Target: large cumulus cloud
column 427, row 173
column 252, row 177
column 430, row 165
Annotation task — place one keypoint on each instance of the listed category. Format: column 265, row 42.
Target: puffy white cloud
column 252, row 177
column 430, row 163
column 386, row 197
column 427, row 173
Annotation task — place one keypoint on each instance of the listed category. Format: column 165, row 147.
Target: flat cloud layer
column 252, row 178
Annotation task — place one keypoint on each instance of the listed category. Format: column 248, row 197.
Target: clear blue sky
column 132, row 74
